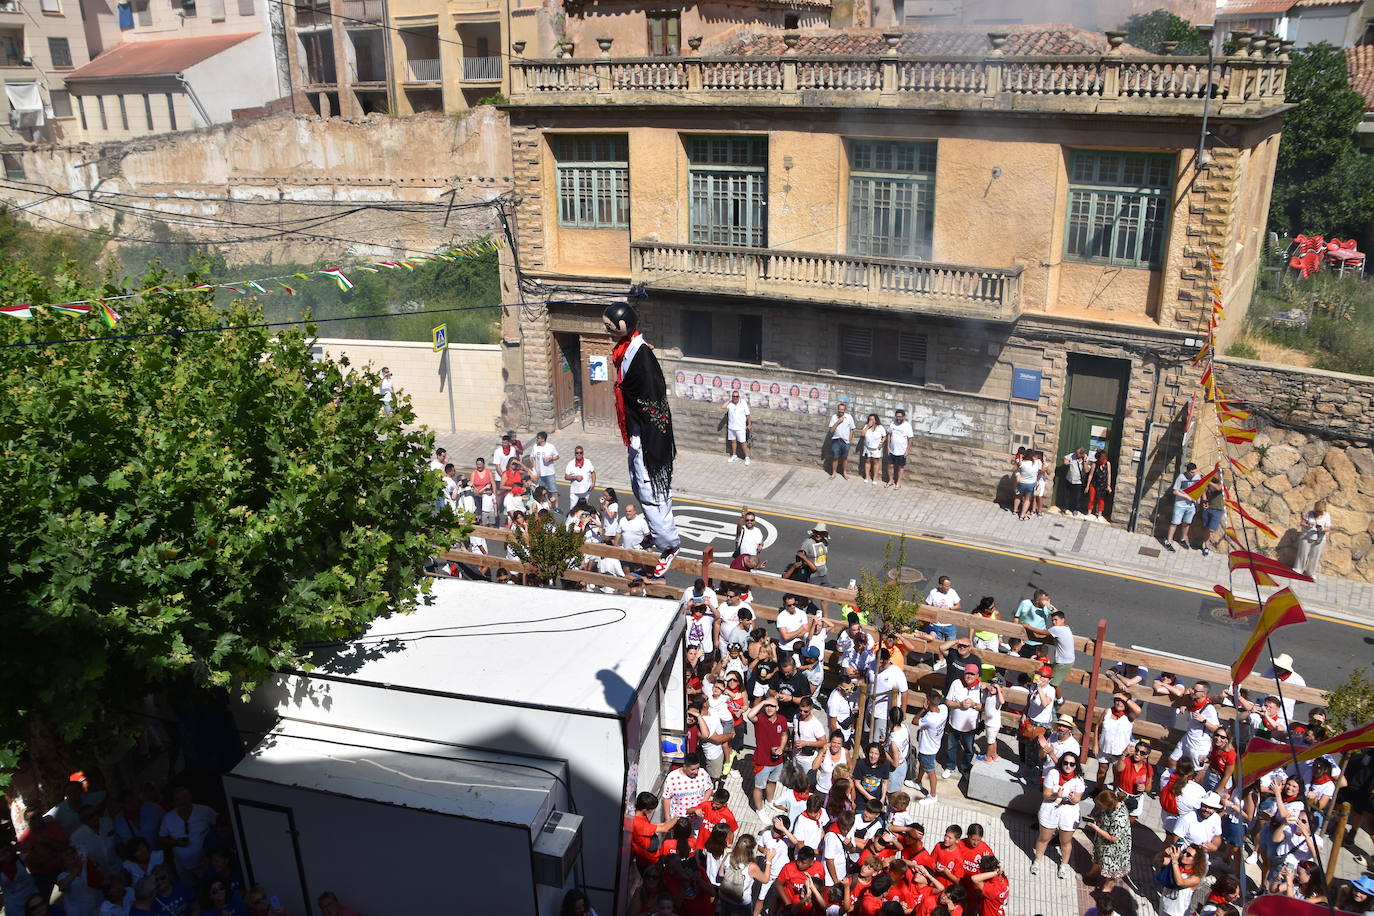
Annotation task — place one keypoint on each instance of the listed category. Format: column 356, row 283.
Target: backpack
column 734, row 882
column 1168, row 796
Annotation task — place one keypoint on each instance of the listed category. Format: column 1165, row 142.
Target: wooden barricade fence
column 1101, row 654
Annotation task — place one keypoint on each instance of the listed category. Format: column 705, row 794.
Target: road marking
column 1025, row 556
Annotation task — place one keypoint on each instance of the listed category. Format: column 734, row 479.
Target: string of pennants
column 1282, row 607
column 283, row 283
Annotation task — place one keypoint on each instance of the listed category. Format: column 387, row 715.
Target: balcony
column 1242, row 85
column 424, row 70
column 10, row 6
column 992, row 294
column 475, row 10
column 360, row 12
column 481, row 69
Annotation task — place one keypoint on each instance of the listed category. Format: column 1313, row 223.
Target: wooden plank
column 1213, row 674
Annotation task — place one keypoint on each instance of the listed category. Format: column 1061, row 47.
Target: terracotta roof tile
column 1359, row 63
column 150, row 58
column 1305, row 3
column 920, row 41
column 1233, row 8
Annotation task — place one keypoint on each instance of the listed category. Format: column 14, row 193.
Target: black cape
column 647, row 415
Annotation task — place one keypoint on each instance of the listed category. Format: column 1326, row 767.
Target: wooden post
column 1337, row 841
column 1090, row 720
column 863, row 716
column 708, row 556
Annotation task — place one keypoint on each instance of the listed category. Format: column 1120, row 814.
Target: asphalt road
column 1178, row 620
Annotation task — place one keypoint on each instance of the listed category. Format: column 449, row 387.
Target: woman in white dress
column 871, row 460
column 1063, row 790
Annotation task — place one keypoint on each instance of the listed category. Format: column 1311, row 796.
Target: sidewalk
column 808, row 492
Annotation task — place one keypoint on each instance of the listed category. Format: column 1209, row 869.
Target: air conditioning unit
column 556, row 849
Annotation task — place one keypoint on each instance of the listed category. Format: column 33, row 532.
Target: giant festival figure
column 646, row 426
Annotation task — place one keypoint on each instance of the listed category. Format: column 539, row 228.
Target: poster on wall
column 598, row 369
column 793, row 397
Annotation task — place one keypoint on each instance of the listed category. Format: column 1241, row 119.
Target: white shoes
column 746, row 462
column 1035, row 867
column 928, row 800
column 947, row 774
column 732, row 459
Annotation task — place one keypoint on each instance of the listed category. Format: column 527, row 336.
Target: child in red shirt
column 993, row 888
column 948, row 857
column 715, row 811
column 792, row 882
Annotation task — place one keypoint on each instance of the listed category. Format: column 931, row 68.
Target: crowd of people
column 841, row 797
column 97, row 853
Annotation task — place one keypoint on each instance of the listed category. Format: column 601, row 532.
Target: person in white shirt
column 1114, row 733
column 712, row 736
column 386, row 390
column 793, row 624
column 890, row 679
column 580, row 474
column 439, row 460
column 1316, row 525
column 737, row 426
column 1185, row 506
column 1282, row 673
column 504, row 454
column 686, row 787
column 1061, row 792
column 965, row 702
column 1027, row 469
column 1201, row 826
column 944, row 597
column 1202, row 722
column 872, row 437
column 930, row 736
column 749, row 538
column 899, row 435
column 1058, row 742
column 841, row 430
column 545, row 465
column 184, row 830
column 634, row 529
column 842, row 708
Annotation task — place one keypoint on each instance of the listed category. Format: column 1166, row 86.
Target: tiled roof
column 152, row 58
column 1234, row 8
column 920, row 41
column 1359, row 63
column 1305, row 3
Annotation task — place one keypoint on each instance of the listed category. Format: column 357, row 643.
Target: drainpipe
column 195, row 99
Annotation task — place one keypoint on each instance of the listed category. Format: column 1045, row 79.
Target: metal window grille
column 593, row 181
column 729, row 190
column 891, row 198
column 60, row 51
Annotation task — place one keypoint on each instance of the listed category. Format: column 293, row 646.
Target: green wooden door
column 1094, row 405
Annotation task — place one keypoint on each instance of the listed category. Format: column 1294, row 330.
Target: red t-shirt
column 793, row 879
column 952, row 859
column 641, row 831
column 768, row 740
column 929, row 904
column 1136, row 778
column 972, row 856
column 996, row 893
column 907, row 893
column 867, row 903
column 1220, row 761
column 710, row 816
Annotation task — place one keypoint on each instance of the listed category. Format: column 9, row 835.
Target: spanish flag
column 1197, row 489
column 1206, row 348
column 1237, row 436
column 1280, row 610
column 1240, row 510
column 1236, row 606
column 1263, row 568
column 1227, row 412
column 1263, row 757
column 1237, row 465
column 1209, row 384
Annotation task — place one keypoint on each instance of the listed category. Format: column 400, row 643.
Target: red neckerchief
column 577, row 462
column 505, row 449
column 618, row 357
column 801, row 796
column 1320, row 780
column 1118, row 715
column 1199, row 705
column 1284, row 677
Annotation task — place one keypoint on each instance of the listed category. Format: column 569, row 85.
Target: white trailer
column 480, row 755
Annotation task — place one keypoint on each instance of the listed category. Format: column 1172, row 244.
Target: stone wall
column 1314, row 442
column 239, row 186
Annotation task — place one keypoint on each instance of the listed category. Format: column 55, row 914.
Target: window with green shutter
column 1118, row 207
column 593, row 181
column 891, row 198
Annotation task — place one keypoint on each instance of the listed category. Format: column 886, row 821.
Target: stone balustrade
column 1244, row 84
column 886, row 283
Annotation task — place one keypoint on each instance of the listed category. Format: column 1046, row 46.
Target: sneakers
column 913, row 785
column 1035, row 867
column 732, row 459
column 928, row 800
column 746, row 462
column 1063, row 870
column 663, row 563
column 1169, row 546
column 947, row 774
column 1206, row 551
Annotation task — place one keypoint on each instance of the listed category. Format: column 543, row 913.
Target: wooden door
column 565, row 379
column 598, row 385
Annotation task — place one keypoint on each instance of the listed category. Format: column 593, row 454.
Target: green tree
column 549, row 548
column 888, row 603
column 185, row 511
column 1351, row 704
column 1149, row 31
column 1323, row 184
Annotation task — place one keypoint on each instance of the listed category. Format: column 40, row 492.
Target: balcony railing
column 482, row 69
column 1241, row 84
column 424, row 70
column 883, row 283
column 9, row 6
column 356, row 12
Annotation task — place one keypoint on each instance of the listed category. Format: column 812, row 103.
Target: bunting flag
column 1197, row 489
column 1237, row 465
column 1240, row 510
column 1263, row 568
column 99, row 306
column 1236, row 606
column 1235, row 539
column 1206, row 348
column 1227, row 412
column 1209, row 384
column 345, row 284
column 1263, row 757
column 1216, row 261
column 1281, row 609
column 1236, row 436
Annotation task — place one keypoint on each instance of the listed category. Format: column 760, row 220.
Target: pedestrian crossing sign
column 441, row 338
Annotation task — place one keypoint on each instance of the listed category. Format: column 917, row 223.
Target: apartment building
column 1303, row 22
column 448, row 56
column 1004, row 234
column 167, row 65
column 339, row 54
column 41, row 42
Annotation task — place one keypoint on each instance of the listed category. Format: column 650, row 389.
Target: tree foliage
column 886, row 601
column 1323, row 184
column 1351, row 704
column 1149, row 31
column 187, row 510
column 549, row 548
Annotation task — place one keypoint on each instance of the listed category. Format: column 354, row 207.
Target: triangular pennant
column 345, row 284
column 72, row 308
column 17, row 311
column 1235, row 606
column 110, row 315
column 1260, row 564
column 1240, row 510
column 1281, row 609
column 1263, row 757
column 1196, row 490
column 1236, row 435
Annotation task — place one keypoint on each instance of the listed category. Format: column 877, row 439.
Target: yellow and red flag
column 1237, row 436
column 1197, row 489
column 1226, row 411
column 1237, row 465
column 1236, row 606
column 1206, row 348
column 1240, row 510
column 1209, row 384
column 1263, row 757
column 1264, row 568
column 1280, row 610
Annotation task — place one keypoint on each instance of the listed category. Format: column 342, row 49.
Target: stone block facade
column 1315, row 441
